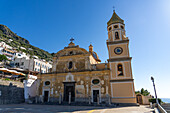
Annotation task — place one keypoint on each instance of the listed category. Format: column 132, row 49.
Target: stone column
column 60, row 99
column 89, row 100
column 109, row 99
column 69, row 98
column 98, row 100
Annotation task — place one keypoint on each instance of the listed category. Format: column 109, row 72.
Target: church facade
column 79, row 76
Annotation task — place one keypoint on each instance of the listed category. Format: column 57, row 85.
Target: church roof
column 94, row 54
column 115, row 19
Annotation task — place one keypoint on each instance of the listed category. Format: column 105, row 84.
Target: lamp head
column 152, row 79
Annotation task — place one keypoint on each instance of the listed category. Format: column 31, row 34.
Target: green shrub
column 3, row 57
column 7, row 79
column 143, row 92
column 153, row 100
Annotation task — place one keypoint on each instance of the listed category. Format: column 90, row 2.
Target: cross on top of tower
column 113, row 8
column 71, row 39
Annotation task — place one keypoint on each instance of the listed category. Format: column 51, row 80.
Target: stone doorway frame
column 99, row 94
column 48, row 94
column 64, row 93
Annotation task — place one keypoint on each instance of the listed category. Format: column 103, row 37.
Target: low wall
column 11, row 92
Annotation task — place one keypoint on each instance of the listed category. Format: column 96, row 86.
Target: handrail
column 161, row 109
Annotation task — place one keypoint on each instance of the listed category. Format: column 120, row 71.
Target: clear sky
column 49, row 24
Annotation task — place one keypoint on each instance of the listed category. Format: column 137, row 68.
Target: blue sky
column 49, row 24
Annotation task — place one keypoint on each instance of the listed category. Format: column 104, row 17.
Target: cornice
column 122, row 80
column 117, row 42
column 119, row 59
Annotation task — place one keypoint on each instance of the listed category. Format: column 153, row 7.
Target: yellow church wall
column 113, row 70
column 123, row 92
column 122, row 89
column 125, row 52
column 126, row 70
column 124, row 100
column 83, row 80
column 100, row 66
column 78, row 63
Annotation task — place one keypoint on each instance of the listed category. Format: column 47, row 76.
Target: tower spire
column 115, row 19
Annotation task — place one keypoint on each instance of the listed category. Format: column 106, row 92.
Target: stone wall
column 11, row 92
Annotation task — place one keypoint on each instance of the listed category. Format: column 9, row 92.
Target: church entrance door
column 46, row 94
column 95, row 95
column 69, row 87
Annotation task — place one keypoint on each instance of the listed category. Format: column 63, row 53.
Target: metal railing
column 161, row 109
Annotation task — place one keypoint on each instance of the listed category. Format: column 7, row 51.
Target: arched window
column 110, row 28
column 120, row 69
column 116, row 35
column 116, row 26
column 122, row 27
column 70, row 65
column 71, row 52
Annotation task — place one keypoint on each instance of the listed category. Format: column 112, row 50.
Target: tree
column 143, row 92
column 3, row 57
column 52, row 54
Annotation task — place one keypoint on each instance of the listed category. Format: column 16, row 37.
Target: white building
column 32, row 64
column 42, row 65
column 4, row 45
column 21, row 55
column 23, row 48
column 30, row 87
column 24, row 63
column 10, row 54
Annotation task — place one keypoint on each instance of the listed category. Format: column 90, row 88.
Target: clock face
column 118, row 50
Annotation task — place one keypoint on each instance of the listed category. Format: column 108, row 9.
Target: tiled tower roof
column 115, row 19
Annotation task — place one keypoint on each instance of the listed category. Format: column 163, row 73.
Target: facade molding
column 121, row 80
column 122, row 97
column 119, row 59
column 117, row 42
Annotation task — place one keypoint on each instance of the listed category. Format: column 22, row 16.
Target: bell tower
column 121, row 79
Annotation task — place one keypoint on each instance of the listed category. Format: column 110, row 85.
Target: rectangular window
column 22, row 63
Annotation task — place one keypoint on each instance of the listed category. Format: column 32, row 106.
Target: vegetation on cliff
column 6, row 34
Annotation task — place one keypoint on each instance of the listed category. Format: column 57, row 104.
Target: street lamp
column 154, row 89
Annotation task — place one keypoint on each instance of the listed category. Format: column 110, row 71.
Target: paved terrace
column 29, row 108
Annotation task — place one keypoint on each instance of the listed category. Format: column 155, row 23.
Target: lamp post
column 154, row 89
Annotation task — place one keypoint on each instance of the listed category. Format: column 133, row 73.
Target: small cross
column 72, row 39
column 113, row 8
